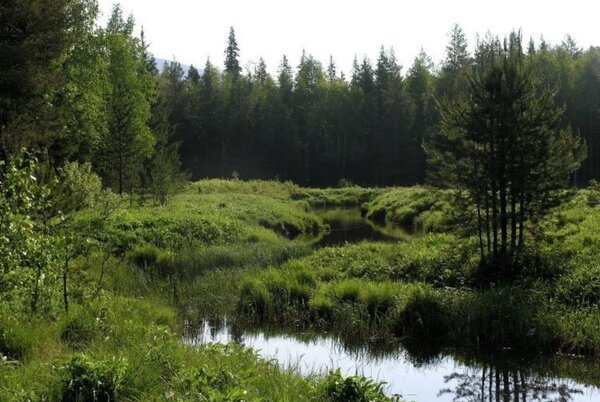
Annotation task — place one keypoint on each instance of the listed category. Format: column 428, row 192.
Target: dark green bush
column 424, row 316
column 14, row 342
column 91, row 380
column 503, row 317
column 335, row 388
column 147, row 256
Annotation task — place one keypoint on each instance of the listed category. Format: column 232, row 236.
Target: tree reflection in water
column 500, row 384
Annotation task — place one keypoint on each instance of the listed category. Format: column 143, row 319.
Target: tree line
column 79, row 92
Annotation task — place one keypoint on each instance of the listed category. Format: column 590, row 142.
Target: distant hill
column 160, row 63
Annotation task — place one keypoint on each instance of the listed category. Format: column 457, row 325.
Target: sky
column 192, row 30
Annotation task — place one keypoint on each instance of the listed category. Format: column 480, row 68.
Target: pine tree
column 571, row 47
column 419, row 88
column 193, row 76
column 457, row 55
column 35, row 35
column 509, row 160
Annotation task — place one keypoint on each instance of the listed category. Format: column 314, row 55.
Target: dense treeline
column 79, row 92
column 317, row 126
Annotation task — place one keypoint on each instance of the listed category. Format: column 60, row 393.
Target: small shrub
column 423, row 317
column 147, row 256
column 379, row 298
column 347, row 291
column 335, row 388
column 15, row 340
column 594, row 193
column 86, row 379
column 255, row 298
column 503, row 317
column 79, row 330
column 79, row 187
column 321, row 308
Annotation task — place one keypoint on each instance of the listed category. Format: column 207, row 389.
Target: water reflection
column 418, row 375
column 502, row 384
column 347, row 225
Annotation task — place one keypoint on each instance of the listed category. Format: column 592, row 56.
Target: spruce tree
column 261, row 71
column 331, row 70
column 232, row 55
column 35, row 35
column 129, row 140
column 285, row 80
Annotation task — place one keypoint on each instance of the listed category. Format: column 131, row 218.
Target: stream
column 443, row 376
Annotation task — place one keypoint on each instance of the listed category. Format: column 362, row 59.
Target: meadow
column 246, row 251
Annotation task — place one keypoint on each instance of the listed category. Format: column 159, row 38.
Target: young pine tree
column 503, row 145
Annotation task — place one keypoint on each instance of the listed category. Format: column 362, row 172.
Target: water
column 443, row 378
column 347, row 225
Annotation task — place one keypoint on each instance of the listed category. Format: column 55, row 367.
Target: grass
column 193, row 219
column 427, row 209
column 129, row 348
column 223, row 248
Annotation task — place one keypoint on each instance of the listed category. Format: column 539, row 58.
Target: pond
column 441, row 377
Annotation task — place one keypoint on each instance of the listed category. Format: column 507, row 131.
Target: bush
column 82, row 327
column 78, row 187
column 335, row 388
column 15, row 340
column 423, row 317
column 594, row 193
column 86, row 379
column 503, row 317
column 147, row 256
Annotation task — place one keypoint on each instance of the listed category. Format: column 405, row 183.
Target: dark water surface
column 347, row 225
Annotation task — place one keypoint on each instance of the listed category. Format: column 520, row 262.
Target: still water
column 347, row 225
column 440, row 378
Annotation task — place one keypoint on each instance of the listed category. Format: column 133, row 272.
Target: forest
column 165, row 233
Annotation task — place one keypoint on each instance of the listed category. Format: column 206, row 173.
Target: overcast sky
column 192, row 30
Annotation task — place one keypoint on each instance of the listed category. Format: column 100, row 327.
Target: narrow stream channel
column 347, row 225
column 444, row 377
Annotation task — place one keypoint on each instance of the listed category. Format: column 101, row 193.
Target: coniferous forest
column 408, row 230
column 309, row 123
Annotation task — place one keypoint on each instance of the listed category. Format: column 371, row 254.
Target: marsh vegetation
column 155, row 243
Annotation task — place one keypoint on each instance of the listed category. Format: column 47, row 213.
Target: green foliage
column 335, row 388
column 508, row 185
column 37, row 39
column 86, row 379
column 28, row 247
column 425, row 316
column 146, row 256
column 128, row 140
column 78, row 188
column 594, row 193
column 425, row 208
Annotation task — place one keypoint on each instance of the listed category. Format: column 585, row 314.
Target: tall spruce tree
column 232, row 55
column 129, row 140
